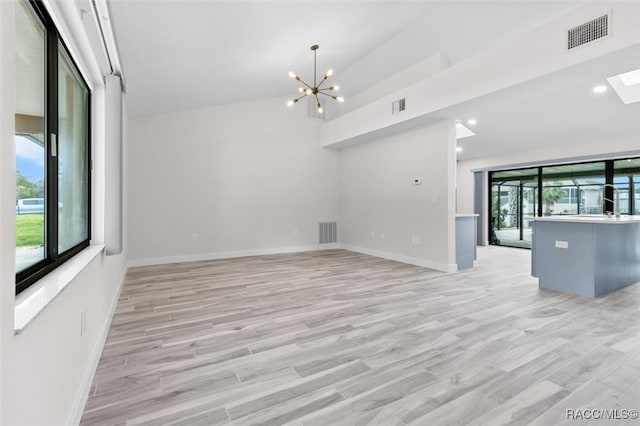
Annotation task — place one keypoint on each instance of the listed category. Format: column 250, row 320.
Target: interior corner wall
column 247, row 178
column 384, row 213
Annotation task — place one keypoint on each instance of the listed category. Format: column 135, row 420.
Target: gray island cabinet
column 586, row 255
column 466, row 241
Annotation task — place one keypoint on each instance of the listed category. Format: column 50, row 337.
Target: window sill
column 32, row 301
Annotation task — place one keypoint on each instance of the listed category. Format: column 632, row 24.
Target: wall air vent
column 589, row 31
column 328, row 232
column 398, row 106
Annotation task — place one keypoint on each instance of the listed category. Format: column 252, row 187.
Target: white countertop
column 590, row 219
column 466, row 215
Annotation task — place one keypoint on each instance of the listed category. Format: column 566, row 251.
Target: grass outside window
column 29, row 230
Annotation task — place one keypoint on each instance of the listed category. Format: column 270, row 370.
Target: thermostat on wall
column 417, row 181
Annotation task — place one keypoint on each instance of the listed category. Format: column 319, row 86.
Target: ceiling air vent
column 588, row 32
column 397, row 106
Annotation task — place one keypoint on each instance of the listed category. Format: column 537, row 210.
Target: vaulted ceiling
column 186, row 54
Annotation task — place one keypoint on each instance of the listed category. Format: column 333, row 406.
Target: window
column 627, row 180
column 566, row 190
column 52, row 148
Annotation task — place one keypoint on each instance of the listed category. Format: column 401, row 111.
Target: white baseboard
column 229, row 254
column 404, row 259
column 87, row 379
column 296, row 249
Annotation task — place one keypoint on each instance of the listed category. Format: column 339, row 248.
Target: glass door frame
column 608, row 204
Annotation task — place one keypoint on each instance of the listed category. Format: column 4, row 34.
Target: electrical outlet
column 194, row 237
column 562, row 244
column 83, row 322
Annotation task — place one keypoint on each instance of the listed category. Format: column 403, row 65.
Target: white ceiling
column 185, row 54
column 557, row 109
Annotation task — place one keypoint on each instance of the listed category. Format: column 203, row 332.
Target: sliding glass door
column 627, row 180
column 514, row 202
column 568, row 189
column 573, row 189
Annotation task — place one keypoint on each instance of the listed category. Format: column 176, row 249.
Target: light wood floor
column 335, row 337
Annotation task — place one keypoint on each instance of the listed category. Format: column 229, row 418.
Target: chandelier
column 317, row 88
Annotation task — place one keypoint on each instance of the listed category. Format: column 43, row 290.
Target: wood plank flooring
column 340, row 338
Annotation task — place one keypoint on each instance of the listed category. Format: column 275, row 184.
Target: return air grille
column 328, row 232
column 588, row 32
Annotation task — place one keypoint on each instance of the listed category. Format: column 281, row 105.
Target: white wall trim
column 556, row 161
column 82, row 396
column 228, row 254
column 449, row 268
column 31, row 302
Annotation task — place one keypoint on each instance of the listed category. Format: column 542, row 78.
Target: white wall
column 247, row 178
column 378, row 196
column 417, row 72
column 45, row 371
column 49, row 366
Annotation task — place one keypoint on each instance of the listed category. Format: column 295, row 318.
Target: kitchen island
column 466, row 241
column 586, row 255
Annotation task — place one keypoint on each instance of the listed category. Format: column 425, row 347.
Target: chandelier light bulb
column 308, row 91
column 340, row 99
column 301, row 89
column 329, row 73
column 320, row 110
column 334, row 87
column 292, row 74
column 290, row 103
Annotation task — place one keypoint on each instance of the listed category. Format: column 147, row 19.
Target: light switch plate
column 562, row 244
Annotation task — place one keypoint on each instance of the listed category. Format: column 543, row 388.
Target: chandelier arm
column 322, row 82
column 296, row 100
column 302, row 81
column 318, row 101
column 326, row 94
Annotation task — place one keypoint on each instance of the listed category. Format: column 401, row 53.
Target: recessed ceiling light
column 458, row 149
column 600, row 89
column 472, row 121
